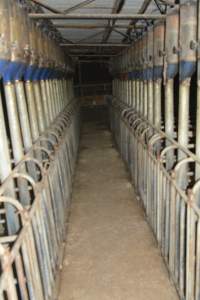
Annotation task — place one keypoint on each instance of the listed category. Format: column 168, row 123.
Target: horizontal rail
column 94, row 45
column 96, row 16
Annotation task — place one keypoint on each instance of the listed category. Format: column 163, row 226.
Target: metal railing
column 170, row 203
column 31, row 258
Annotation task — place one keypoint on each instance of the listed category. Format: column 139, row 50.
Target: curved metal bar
column 42, row 149
column 196, row 187
column 15, row 174
column 166, row 149
column 14, row 202
column 182, row 162
column 47, row 140
column 37, row 163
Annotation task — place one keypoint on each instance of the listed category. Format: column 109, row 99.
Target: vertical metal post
column 171, row 44
column 150, row 75
column 159, row 34
column 188, row 31
column 197, row 167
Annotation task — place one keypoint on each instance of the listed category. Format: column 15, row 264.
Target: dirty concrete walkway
column 110, row 253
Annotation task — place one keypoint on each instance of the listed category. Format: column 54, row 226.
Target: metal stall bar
column 172, row 48
column 162, row 168
column 6, row 162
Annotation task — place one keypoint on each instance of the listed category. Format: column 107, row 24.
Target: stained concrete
column 110, row 253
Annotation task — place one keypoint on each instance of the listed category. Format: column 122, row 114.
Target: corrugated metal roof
column 97, row 7
column 95, row 35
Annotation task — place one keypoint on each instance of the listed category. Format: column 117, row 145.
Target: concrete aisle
column 110, row 253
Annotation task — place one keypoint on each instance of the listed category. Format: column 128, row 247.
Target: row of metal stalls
column 155, row 117
column 39, row 132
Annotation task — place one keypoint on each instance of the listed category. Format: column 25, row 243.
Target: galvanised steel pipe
column 150, row 74
column 163, row 182
column 97, row 16
column 36, row 81
column 13, row 72
column 187, row 57
column 132, row 75
column 140, row 58
column 6, row 165
column 28, row 77
column 188, row 31
column 19, row 84
column 29, row 272
column 171, row 46
column 167, row 191
column 128, row 68
column 145, row 77
column 46, row 227
column 137, row 75
column 159, row 36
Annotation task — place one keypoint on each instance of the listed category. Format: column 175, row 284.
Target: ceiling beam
column 167, row 2
column 97, row 16
column 46, row 6
column 118, row 5
column 121, row 33
column 100, row 26
column 92, row 55
column 78, row 6
column 94, row 45
column 141, row 11
column 90, row 36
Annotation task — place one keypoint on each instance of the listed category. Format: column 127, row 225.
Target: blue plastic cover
column 3, row 64
column 28, row 75
column 157, row 72
column 187, row 69
column 172, row 70
column 149, row 73
column 13, row 71
column 37, row 73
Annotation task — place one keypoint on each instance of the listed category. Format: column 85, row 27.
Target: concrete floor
column 111, row 253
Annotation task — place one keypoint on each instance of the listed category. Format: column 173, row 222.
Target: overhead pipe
column 96, row 16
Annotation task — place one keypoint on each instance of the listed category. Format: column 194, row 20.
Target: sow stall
column 154, row 118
